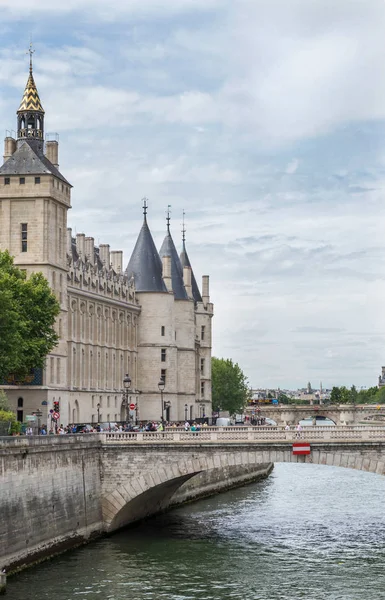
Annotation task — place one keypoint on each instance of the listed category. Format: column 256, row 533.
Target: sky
column 264, row 120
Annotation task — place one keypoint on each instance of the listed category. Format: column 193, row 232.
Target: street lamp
column 98, row 407
column 126, row 388
column 185, row 411
column 161, row 386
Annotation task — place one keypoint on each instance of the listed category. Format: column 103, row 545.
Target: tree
column 335, row 395
column 353, row 395
column 28, row 310
column 230, row 389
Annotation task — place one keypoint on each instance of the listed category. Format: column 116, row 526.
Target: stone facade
column 110, row 324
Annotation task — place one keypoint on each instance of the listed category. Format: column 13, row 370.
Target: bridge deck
column 316, row 434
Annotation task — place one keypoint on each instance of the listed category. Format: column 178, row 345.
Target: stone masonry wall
column 49, row 496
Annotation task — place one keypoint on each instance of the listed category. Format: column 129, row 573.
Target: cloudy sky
column 265, row 121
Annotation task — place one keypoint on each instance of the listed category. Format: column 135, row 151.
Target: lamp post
column 161, row 386
column 126, row 388
column 185, row 411
column 98, row 407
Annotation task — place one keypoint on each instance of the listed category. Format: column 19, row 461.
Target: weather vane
column 168, row 217
column 183, row 228
column 30, row 51
column 145, row 206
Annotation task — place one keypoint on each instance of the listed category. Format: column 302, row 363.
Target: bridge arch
column 151, row 492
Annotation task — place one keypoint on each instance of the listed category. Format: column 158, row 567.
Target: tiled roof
column 145, row 265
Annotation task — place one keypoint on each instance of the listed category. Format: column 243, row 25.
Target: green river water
column 308, row 531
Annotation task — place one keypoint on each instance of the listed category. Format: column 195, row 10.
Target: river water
column 308, row 531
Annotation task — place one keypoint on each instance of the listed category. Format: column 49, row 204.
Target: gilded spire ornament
column 30, row 100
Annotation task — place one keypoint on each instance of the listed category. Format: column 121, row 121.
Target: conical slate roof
column 168, row 249
column 145, row 265
column 31, row 100
column 185, row 262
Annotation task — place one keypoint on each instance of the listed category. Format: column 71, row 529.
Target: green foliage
column 4, row 404
column 230, row 389
column 27, row 317
column 341, row 395
column 335, row 396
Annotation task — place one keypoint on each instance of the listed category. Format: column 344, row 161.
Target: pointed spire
column 168, row 249
column 145, row 265
column 185, row 262
column 30, row 100
column 183, row 231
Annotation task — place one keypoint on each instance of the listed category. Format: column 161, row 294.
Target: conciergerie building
column 147, row 318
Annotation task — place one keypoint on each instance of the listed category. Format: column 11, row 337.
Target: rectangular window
column 162, row 330
column 24, row 237
column 7, row 180
column 202, row 389
column 37, row 179
column 202, row 365
column 20, row 416
column 22, row 181
column 202, row 332
column 163, row 355
column 58, row 370
column 163, row 375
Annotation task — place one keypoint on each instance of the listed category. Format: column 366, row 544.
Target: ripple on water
column 307, row 531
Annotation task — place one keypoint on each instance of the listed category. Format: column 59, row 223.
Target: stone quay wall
column 52, row 490
column 49, row 496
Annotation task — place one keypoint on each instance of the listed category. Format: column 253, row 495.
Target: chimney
column 69, row 241
column 116, row 258
column 90, row 249
column 205, row 289
column 52, row 152
column 104, row 253
column 166, row 263
column 80, row 237
column 187, row 281
column 9, row 147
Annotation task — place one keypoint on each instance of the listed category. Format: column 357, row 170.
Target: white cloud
column 292, row 166
column 264, row 121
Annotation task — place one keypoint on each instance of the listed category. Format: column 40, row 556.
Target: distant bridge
column 343, row 414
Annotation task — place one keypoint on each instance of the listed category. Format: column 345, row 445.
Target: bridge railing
column 321, row 434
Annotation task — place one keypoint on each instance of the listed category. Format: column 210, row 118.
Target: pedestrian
column 186, row 426
column 299, row 430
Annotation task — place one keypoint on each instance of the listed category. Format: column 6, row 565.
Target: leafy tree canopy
column 230, row 389
column 28, row 310
column 373, row 395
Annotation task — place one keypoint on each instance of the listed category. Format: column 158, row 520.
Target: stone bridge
column 61, row 491
column 343, row 414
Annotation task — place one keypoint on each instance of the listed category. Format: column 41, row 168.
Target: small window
column 202, row 389
column 163, row 375
column 163, row 355
column 37, row 179
column 162, row 330
column 202, row 365
column 7, row 180
column 22, row 181
column 24, row 237
column 20, row 416
column 202, row 332
column 20, row 402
